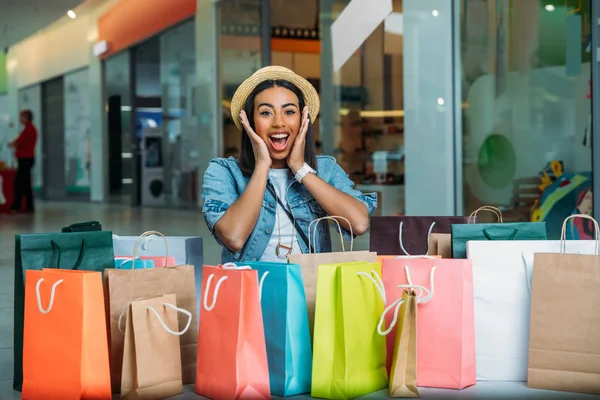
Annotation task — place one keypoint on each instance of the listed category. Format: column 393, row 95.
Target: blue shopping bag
column 285, row 320
column 130, row 263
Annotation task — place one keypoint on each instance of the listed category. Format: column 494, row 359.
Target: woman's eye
column 290, row 112
column 266, row 113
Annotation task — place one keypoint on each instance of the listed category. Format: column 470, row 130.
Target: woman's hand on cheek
column 261, row 151
column 296, row 157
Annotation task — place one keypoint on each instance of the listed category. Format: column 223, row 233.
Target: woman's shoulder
column 222, row 165
column 326, row 165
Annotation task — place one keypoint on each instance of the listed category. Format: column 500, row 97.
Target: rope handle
column 126, row 260
column 334, row 219
column 396, row 305
column 527, row 279
column 563, row 233
column 52, row 294
column 486, row 208
column 56, row 247
column 215, row 293
column 147, row 236
column 402, row 244
column 376, row 279
column 181, row 310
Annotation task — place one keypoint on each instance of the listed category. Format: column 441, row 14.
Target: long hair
column 246, row 160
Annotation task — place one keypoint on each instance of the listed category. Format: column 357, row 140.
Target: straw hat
column 274, row 72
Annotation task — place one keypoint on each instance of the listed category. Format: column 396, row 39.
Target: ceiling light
column 549, row 7
column 435, row 13
column 71, row 14
column 440, row 101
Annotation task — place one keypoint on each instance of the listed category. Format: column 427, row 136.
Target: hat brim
column 311, row 97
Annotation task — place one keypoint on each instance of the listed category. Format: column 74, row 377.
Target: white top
column 279, row 178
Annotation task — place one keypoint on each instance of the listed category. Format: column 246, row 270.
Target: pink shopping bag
column 445, row 323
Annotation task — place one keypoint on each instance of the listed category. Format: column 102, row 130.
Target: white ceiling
column 20, row 19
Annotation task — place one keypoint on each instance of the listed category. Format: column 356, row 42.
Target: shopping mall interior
column 437, row 107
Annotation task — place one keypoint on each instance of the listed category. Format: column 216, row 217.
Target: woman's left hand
column 296, row 157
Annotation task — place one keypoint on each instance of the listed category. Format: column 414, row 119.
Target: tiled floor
column 127, row 221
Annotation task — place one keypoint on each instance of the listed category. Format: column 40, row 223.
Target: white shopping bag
column 187, row 250
column 502, row 272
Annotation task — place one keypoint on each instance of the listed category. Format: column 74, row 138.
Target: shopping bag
column 440, row 244
column 285, row 320
column 89, row 226
column 129, row 263
column 84, row 251
column 156, row 261
column 65, row 348
column 187, row 250
column 122, row 286
column 445, row 324
column 502, row 293
column 564, row 351
column 348, row 353
column 407, row 235
column 232, row 356
column 310, row 262
column 493, row 231
column 151, row 355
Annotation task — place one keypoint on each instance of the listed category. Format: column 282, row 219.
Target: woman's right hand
column 261, row 152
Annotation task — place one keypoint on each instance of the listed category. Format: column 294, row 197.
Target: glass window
column 526, row 111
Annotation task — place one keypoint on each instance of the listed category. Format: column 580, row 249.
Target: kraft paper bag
column 502, row 273
column 122, row 286
column 440, row 245
column 564, row 350
column 407, row 235
column 151, row 355
column 310, row 262
column 403, row 374
column 65, row 349
column 232, row 356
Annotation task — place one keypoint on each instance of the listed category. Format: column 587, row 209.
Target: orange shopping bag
column 232, row 354
column 65, row 344
column 446, row 322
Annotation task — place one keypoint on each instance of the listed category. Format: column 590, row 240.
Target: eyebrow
column 283, row 106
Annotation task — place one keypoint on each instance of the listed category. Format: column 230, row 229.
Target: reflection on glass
column 526, row 122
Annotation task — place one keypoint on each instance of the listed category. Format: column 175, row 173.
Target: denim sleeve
column 340, row 180
column 218, row 193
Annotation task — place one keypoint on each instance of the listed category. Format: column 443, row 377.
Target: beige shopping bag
column 564, row 350
column 440, row 244
column 403, row 374
column 122, row 286
column 310, row 262
column 151, row 354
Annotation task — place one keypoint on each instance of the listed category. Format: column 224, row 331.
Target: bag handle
column 396, row 306
column 56, row 247
column 334, row 219
column 490, row 237
column 125, row 260
column 402, row 244
column 52, row 293
column 181, row 310
column 528, row 279
column 74, row 227
column 486, row 208
column 147, row 236
column 376, row 279
column 563, row 233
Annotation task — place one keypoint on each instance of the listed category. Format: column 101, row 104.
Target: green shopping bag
column 348, row 353
column 88, row 251
column 462, row 233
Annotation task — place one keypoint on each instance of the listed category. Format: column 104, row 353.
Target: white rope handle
column 121, row 319
column 396, row 304
column 563, row 233
column 427, row 298
column 527, row 280
column 334, row 219
column 376, row 279
column 261, row 283
column 402, row 244
column 150, row 235
column 232, row 266
column 127, row 260
column 181, row 310
column 215, row 293
column 52, row 293
column 495, row 210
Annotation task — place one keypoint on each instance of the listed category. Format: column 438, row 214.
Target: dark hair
column 246, row 160
column 27, row 114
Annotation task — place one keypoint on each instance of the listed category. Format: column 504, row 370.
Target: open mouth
column 279, row 141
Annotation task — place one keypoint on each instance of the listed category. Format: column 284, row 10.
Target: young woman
column 259, row 206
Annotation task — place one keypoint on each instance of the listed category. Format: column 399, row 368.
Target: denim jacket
column 224, row 183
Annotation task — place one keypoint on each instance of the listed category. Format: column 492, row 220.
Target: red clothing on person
column 25, row 143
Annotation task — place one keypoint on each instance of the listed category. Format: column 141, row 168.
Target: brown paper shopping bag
column 122, row 286
column 151, row 354
column 564, row 350
column 403, row 375
column 310, row 262
column 440, row 244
